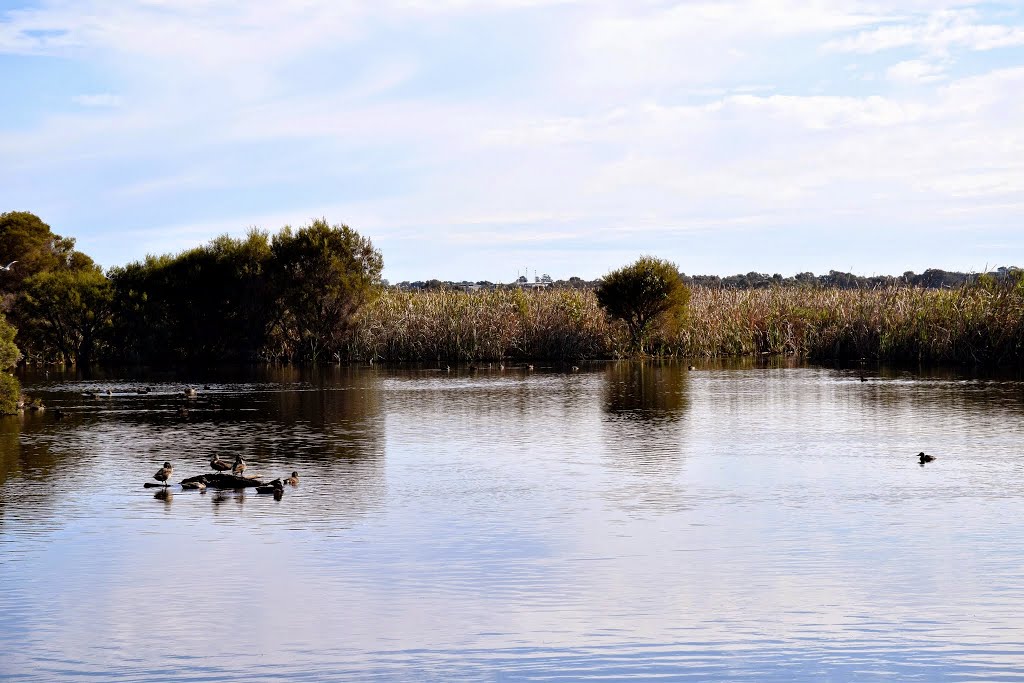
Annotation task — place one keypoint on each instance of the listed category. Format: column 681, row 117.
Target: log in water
column 218, row 480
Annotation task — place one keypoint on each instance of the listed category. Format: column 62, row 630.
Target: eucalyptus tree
column 65, row 314
column 323, row 276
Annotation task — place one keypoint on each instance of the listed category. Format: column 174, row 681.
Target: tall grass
column 979, row 323
column 493, row 325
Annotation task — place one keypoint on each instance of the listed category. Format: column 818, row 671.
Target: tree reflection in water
column 645, row 406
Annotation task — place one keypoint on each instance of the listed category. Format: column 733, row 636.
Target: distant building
column 542, row 282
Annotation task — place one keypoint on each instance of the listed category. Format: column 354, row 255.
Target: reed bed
column 980, row 323
column 493, row 325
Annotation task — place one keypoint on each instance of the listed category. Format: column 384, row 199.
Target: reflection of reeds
column 976, row 323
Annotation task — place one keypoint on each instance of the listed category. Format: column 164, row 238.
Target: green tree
column 647, row 292
column 36, row 248
column 10, row 390
column 324, row 275
column 67, row 311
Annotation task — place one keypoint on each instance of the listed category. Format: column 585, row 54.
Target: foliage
column 10, row 394
column 10, row 390
column 646, row 292
column 9, row 354
column 29, row 241
column 211, row 303
column 323, row 276
column 66, row 312
column 292, row 297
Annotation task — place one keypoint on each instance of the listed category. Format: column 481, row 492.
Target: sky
column 484, row 139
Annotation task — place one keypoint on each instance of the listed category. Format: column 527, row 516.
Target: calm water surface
column 621, row 522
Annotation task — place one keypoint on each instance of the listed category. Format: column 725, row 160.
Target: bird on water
column 273, row 487
column 925, row 458
column 293, row 480
column 164, row 473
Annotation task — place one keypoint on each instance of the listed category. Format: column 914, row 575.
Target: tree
column 29, row 241
column 324, row 275
column 10, row 390
column 643, row 293
column 66, row 310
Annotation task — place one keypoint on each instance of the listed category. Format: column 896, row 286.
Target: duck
column 692, row 368
column 219, row 465
column 292, row 480
column 164, row 473
column 925, row 458
column 272, row 487
column 193, row 485
column 190, row 392
column 238, row 467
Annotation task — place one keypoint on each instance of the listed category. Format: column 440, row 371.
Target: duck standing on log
column 219, row 465
column 164, row 473
column 239, row 466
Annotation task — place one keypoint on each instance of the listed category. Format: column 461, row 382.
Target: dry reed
column 980, row 323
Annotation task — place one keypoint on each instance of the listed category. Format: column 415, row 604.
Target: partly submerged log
column 225, row 480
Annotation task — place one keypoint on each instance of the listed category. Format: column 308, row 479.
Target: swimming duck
column 293, row 480
column 272, row 487
column 190, row 392
column 164, row 473
column 925, row 458
column 219, row 465
column 239, row 466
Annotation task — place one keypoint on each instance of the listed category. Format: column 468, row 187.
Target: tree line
column 932, row 278
column 291, row 296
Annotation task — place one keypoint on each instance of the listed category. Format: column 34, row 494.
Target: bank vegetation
column 314, row 294
column 980, row 323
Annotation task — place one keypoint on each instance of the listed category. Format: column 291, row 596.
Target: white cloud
column 937, row 33
column 915, row 71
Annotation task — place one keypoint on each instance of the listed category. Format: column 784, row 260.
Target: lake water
column 623, row 522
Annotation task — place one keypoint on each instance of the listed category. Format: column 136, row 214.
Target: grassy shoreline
column 980, row 324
